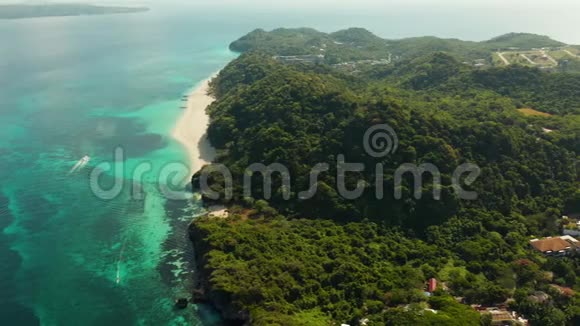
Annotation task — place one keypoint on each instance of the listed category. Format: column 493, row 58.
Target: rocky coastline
column 205, row 293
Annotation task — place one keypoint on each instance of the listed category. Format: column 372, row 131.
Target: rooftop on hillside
column 554, row 244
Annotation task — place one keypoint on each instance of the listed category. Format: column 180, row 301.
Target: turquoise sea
column 83, row 86
column 78, row 86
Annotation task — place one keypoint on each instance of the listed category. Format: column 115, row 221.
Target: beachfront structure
column 556, row 246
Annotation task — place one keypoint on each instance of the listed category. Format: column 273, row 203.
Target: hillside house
column 555, row 246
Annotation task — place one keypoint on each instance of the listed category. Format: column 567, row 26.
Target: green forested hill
column 280, row 41
column 528, row 87
column 299, row 118
column 522, row 40
column 331, row 260
column 360, row 44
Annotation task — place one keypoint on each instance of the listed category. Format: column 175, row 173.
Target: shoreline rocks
column 204, row 293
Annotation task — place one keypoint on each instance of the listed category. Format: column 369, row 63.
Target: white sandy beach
column 191, row 128
column 191, row 132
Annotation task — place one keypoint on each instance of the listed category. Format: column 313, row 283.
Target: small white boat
column 80, row 164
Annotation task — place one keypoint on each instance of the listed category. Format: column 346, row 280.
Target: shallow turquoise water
column 79, row 86
column 74, row 87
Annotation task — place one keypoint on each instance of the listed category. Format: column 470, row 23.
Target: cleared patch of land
column 499, row 56
column 562, row 54
column 546, row 56
column 516, row 58
column 528, row 59
column 532, row 112
column 572, row 52
column 533, row 58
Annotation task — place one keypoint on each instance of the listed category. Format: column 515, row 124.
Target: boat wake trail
column 119, row 261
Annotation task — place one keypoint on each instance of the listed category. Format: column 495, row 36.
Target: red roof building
column 432, row 285
column 555, row 246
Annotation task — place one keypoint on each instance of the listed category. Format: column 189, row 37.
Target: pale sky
column 306, row 4
column 465, row 19
column 369, row 6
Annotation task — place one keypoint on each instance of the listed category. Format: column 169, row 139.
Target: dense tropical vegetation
column 359, row 44
column 325, row 260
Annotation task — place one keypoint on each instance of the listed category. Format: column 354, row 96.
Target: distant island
column 351, row 48
column 20, row 11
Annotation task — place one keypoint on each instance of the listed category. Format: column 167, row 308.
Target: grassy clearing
column 532, row 112
column 515, row 58
column 496, row 60
column 559, row 55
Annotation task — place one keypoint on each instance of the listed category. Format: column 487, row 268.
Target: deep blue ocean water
column 78, row 86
